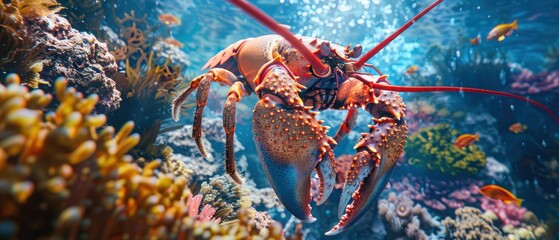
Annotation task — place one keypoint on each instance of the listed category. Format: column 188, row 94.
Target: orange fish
column 174, row 42
column 412, row 69
column 499, row 193
column 517, row 128
column 475, row 41
column 466, row 140
column 500, row 31
column 169, row 19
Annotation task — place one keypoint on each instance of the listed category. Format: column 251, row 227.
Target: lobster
column 294, row 78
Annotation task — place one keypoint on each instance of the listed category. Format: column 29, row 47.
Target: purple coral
column 529, row 83
column 85, row 62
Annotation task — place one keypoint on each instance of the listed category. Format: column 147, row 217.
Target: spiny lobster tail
column 454, row 89
column 317, row 65
column 390, row 38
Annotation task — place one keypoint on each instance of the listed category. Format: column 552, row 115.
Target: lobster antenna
column 453, row 89
column 319, row 68
column 390, row 38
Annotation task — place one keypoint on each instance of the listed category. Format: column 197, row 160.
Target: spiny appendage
column 290, row 143
column 345, row 127
column 389, row 103
column 229, row 112
column 353, row 93
column 378, row 152
column 276, row 81
column 202, row 83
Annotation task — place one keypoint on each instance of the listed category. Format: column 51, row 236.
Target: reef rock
column 85, row 62
column 402, row 218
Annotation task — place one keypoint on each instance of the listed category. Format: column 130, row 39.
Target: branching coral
column 432, row 148
column 526, row 82
column 147, row 83
column 470, row 223
column 401, row 218
column 81, row 182
column 147, row 89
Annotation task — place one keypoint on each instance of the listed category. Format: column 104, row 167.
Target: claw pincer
column 291, row 143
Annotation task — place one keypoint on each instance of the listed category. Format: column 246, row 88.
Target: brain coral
column 433, row 148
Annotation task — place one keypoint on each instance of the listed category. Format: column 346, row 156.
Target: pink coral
column 508, row 213
column 207, row 213
column 439, row 195
column 529, row 83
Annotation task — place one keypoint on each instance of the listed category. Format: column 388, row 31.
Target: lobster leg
column 234, row 95
column 377, row 151
column 345, row 127
column 202, row 83
column 291, row 143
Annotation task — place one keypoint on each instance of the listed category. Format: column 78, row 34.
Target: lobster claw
column 370, row 171
column 291, row 144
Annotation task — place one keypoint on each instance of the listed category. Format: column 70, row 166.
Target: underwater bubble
column 523, row 144
column 452, row 21
column 544, row 144
column 387, row 9
column 512, row 107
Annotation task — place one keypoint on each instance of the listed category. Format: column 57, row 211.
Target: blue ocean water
column 474, row 165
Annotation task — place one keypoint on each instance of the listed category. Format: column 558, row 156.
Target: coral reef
column 81, row 181
column 439, row 195
column 402, row 218
column 526, row 82
column 507, row 213
column 433, row 149
column 18, row 52
column 46, row 43
column 153, row 71
column 263, row 198
column 79, row 57
column 530, row 228
column 470, row 223
column 213, row 140
column 146, row 88
column 225, row 196
column 168, row 49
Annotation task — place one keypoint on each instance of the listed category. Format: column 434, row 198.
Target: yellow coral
column 433, row 149
column 62, row 176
